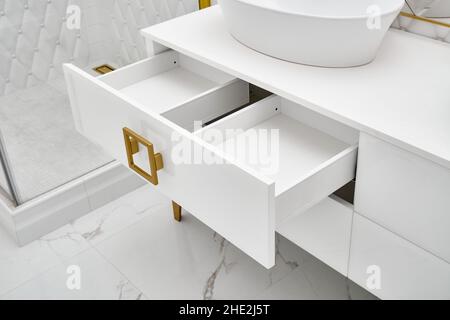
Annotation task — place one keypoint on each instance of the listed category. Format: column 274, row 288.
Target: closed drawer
column 162, row 101
column 405, row 271
column 404, row 193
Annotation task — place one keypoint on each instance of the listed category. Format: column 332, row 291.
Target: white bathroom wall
column 126, row 18
column 35, row 40
column 436, row 9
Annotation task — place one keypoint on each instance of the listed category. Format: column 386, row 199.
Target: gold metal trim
column 132, row 141
column 435, row 22
column 176, row 211
column 202, row 4
column 104, row 69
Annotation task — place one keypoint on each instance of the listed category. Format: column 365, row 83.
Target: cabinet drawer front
column 404, row 193
column 232, row 201
column 406, row 271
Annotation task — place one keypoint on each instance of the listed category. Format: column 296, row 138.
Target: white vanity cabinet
column 156, row 103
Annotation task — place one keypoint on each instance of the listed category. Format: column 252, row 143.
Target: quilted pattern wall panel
column 34, row 41
column 128, row 17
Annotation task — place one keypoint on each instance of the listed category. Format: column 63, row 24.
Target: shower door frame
column 10, row 193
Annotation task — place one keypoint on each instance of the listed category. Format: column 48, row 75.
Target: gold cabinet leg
column 176, row 211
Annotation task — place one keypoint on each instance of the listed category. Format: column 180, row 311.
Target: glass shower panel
column 6, row 183
column 36, row 38
column 44, row 151
column 3, row 179
column 43, row 147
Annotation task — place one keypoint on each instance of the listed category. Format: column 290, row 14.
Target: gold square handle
column 132, row 141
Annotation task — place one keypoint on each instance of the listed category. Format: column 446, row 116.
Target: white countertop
column 403, row 97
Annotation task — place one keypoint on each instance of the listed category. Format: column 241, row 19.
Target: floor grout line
column 61, row 262
column 119, row 271
column 90, row 245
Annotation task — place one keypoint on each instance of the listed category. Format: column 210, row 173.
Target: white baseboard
column 56, row 208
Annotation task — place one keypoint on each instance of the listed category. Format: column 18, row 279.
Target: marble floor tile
column 314, row 280
column 240, row 277
column 20, row 264
column 98, row 280
column 188, row 260
column 325, row 282
column 165, row 259
column 65, row 242
column 118, row 215
column 132, row 248
column 295, row 286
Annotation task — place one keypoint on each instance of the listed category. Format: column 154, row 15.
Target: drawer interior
column 169, row 88
column 282, row 140
column 173, row 85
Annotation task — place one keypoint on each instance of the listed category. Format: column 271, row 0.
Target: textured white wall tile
column 35, row 41
column 128, row 17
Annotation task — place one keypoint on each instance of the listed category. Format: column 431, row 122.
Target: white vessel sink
column 327, row 33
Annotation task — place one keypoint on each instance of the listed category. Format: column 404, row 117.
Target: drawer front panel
column 405, row 194
column 318, row 185
column 405, row 271
column 233, row 202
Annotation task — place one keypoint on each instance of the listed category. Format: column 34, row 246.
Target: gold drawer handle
column 132, row 141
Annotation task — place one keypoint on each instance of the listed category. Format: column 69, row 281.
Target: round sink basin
column 326, row 33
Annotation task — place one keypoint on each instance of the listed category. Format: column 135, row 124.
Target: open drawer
column 151, row 116
column 283, row 143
